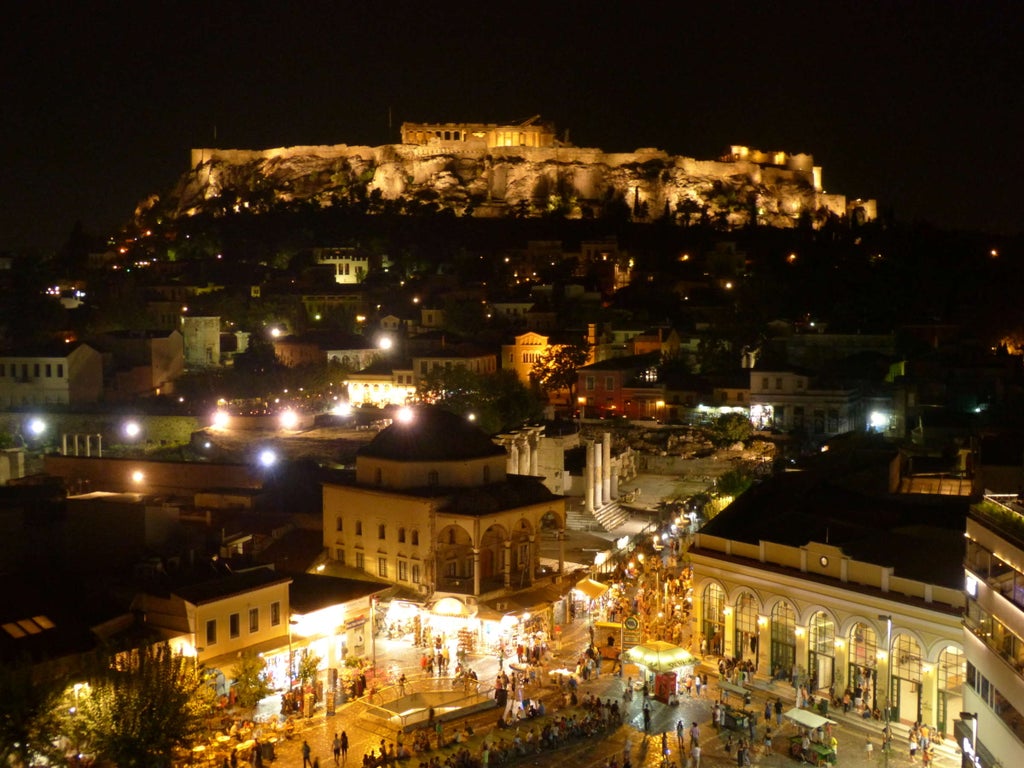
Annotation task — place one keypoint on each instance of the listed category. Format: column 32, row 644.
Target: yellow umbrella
column 659, row 656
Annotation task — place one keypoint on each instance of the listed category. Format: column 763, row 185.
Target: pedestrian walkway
column 645, row 749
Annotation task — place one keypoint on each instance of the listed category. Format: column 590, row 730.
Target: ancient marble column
column 606, row 467
column 588, row 479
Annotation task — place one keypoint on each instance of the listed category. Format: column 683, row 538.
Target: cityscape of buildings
column 240, row 440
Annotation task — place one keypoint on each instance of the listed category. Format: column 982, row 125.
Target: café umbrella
column 660, row 656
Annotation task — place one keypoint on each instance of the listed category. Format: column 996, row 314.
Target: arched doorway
column 492, row 557
column 745, row 635
column 713, row 625
column 783, row 651
column 862, row 667
column 821, row 651
column 453, row 559
column 952, row 671
column 905, row 694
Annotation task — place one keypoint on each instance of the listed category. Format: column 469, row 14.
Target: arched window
column 862, row 672
column 381, row 531
column 401, row 535
column 746, row 628
column 821, row 650
column 905, row 694
column 415, row 538
column 952, row 671
column 783, row 651
column 714, row 618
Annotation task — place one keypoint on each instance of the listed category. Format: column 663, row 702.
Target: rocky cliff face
column 481, row 181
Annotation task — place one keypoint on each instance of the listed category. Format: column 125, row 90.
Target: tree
column 251, row 680
column 142, row 704
column 27, row 715
column 309, row 666
column 555, row 370
column 498, row 401
column 731, row 428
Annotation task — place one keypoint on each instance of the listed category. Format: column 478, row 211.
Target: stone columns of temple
column 588, row 479
column 599, row 499
column 606, row 467
column 534, row 440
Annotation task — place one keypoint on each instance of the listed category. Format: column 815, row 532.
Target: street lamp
column 973, row 717
column 887, row 618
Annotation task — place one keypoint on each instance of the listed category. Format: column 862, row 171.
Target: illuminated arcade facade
column 815, row 614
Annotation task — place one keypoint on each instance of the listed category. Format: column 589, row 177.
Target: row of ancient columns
column 522, row 450
column 88, row 444
column 601, row 484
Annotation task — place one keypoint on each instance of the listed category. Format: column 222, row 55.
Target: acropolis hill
column 492, row 170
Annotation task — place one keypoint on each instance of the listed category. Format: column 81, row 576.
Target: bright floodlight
column 404, row 415
column 268, row 458
column 289, row 419
column 275, row 332
column 132, row 429
column 342, row 409
column 37, row 427
column 221, row 419
column 385, row 342
column 471, row 416
column 137, row 476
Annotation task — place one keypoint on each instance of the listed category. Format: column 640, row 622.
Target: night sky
column 917, row 104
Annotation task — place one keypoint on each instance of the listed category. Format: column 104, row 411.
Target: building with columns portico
column 826, row 578
column 434, row 507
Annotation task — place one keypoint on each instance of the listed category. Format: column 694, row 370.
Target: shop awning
column 452, row 606
column 807, row 719
column 659, row 656
column 590, row 588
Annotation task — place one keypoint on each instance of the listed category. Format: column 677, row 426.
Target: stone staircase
column 607, row 518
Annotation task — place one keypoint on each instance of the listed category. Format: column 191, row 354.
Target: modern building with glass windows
column 832, row 579
column 993, row 724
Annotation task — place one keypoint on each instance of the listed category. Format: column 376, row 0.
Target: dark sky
column 917, row 104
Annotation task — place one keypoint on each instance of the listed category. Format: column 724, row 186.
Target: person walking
column 344, row 747
column 647, row 717
column 305, row 755
column 695, row 756
column 778, row 712
column 336, row 749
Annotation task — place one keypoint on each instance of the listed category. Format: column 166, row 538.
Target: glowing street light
column 289, row 419
column 132, row 429
column 221, row 419
column 404, row 415
column 268, row 458
column 138, row 476
column 36, row 426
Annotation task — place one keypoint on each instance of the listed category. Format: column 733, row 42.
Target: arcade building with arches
column 829, row 579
